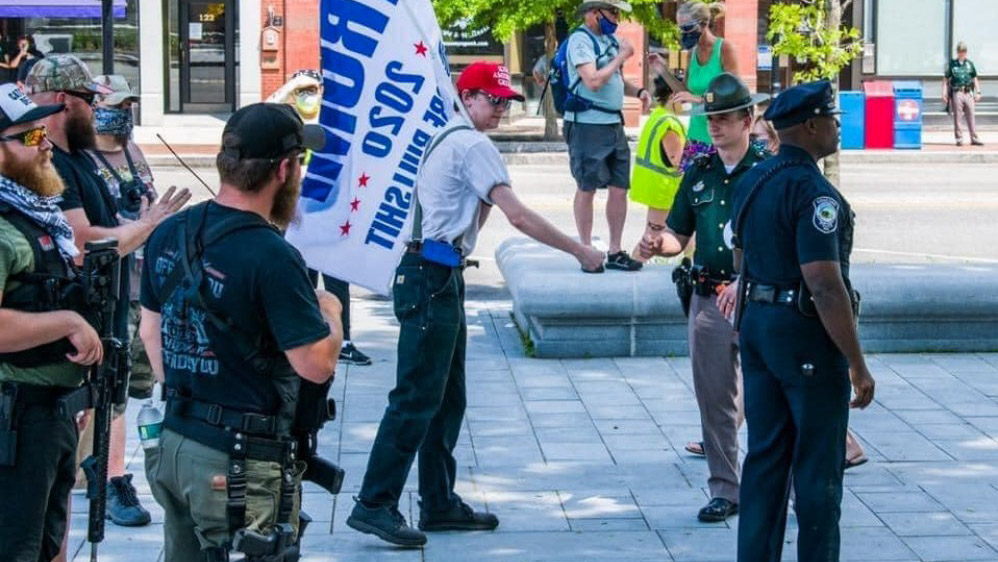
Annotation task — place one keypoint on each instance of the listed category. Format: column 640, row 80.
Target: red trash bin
column 879, row 114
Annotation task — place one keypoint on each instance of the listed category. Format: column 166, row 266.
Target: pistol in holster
column 682, row 277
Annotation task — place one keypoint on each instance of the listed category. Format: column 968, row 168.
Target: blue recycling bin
column 853, row 119
column 908, row 114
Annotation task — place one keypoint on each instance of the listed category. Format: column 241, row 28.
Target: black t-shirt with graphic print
column 252, row 277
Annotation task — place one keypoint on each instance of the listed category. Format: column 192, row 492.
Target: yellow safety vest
column 653, row 183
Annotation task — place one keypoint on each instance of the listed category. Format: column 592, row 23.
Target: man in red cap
column 461, row 178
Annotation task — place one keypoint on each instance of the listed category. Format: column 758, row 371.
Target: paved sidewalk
column 583, row 460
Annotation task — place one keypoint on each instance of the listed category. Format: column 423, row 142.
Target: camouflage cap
column 62, row 72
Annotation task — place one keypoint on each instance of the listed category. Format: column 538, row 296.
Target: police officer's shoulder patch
column 826, row 214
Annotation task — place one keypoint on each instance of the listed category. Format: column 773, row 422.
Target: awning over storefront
column 57, row 8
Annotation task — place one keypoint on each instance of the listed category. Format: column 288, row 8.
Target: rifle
column 107, row 380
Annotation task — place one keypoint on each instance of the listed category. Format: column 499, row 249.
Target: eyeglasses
column 690, row 27
column 302, row 157
column 496, row 101
column 88, row 97
column 615, row 12
column 29, row 138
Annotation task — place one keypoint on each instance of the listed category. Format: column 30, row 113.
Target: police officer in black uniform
column 46, row 343
column 231, row 320
column 799, row 344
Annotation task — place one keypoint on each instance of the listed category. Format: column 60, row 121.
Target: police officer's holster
column 242, row 435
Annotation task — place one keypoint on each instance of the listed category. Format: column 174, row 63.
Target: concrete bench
column 568, row 313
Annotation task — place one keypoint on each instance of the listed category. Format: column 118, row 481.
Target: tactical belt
column 68, row 401
column 220, row 416
column 226, row 441
column 772, row 294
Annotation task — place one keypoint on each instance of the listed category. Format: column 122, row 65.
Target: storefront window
column 911, row 37
column 82, row 37
column 973, row 23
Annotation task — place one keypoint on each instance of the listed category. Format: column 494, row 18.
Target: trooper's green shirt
column 961, row 74
column 15, row 257
column 703, row 205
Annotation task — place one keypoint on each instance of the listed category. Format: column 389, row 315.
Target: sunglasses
column 615, row 12
column 88, row 97
column 496, row 101
column 690, row 27
column 29, row 138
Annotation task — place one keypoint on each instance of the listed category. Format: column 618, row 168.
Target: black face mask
column 690, row 39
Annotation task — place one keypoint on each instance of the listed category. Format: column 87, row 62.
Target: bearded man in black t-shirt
column 92, row 213
column 233, row 327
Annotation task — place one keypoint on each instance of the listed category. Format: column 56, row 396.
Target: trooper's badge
column 698, row 187
column 826, row 214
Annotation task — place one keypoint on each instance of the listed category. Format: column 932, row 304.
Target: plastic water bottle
column 150, row 422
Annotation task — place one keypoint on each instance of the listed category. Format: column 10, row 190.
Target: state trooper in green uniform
column 962, row 89
column 703, row 206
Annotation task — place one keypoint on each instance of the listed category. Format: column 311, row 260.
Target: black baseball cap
column 269, row 130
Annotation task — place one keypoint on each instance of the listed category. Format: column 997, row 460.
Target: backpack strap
column 190, row 273
column 573, row 89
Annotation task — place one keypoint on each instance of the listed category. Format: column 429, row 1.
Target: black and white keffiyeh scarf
column 44, row 211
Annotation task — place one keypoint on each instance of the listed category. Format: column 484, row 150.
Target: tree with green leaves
column 812, row 34
column 505, row 17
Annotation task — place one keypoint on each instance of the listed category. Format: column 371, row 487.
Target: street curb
column 556, row 153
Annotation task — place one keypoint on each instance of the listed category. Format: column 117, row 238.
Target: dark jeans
column 35, row 491
column 426, row 408
column 796, row 425
column 339, row 289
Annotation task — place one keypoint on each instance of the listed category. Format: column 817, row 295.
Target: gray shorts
column 599, row 155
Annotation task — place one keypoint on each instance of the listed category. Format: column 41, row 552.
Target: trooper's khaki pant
column 188, row 482
column 717, row 380
column 963, row 109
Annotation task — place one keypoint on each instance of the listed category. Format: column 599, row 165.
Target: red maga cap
column 488, row 77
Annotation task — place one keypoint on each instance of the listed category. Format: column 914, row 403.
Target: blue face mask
column 606, row 26
column 689, row 40
column 112, row 121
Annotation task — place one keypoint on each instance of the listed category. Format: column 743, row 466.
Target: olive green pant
column 188, row 482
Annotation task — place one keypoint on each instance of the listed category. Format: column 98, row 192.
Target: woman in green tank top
column 710, row 55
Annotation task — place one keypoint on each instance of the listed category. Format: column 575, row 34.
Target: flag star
column 345, row 229
column 420, row 49
column 362, row 181
column 355, row 204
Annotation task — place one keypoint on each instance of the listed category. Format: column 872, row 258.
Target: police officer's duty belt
column 771, row 294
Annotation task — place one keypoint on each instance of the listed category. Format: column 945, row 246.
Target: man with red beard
column 94, row 214
column 233, row 327
column 45, row 344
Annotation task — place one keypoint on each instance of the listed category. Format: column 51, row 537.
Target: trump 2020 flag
column 387, row 89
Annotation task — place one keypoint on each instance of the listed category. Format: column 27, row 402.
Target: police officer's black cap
column 726, row 93
column 802, row 102
column 269, row 130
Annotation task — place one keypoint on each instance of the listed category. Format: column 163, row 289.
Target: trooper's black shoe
column 123, row 507
column 460, row 517
column 386, row 523
column 623, row 262
column 353, row 356
column 717, row 510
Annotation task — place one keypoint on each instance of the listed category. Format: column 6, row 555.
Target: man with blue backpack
column 589, row 91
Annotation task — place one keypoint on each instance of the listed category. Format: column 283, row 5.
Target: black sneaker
column 976, row 143
column 623, row 262
column 717, row 510
column 460, row 517
column 386, row 523
column 352, row 356
column 123, row 507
